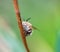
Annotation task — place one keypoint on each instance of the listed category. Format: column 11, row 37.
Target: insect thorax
column 27, row 27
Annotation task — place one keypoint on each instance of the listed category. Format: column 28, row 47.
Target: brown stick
column 15, row 2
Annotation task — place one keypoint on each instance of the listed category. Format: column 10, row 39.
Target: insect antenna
column 28, row 19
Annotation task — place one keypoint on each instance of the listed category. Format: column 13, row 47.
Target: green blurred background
column 45, row 15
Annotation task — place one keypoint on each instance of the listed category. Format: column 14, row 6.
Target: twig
column 15, row 2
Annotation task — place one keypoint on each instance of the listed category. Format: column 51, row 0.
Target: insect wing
column 35, row 28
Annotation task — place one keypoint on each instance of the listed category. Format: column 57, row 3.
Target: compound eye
column 30, row 30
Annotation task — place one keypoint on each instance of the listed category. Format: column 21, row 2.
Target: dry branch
column 15, row 2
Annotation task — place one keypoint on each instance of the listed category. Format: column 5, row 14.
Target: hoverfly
column 28, row 27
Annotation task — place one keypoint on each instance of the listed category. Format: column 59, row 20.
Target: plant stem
column 15, row 2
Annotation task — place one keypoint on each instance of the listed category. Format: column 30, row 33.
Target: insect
column 28, row 27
